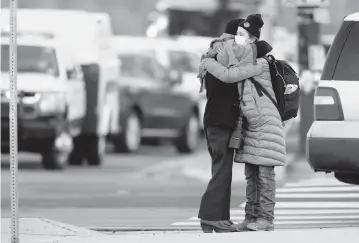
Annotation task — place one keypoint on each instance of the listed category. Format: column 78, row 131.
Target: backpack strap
column 262, row 90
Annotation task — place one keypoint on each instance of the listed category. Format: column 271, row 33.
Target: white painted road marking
column 318, row 202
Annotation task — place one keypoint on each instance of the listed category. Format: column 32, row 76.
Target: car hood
column 30, row 82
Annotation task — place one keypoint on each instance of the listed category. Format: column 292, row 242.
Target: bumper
column 31, row 133
column 333, row 146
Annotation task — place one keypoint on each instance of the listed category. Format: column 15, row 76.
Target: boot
column 243, row 226
column 223, row 226
column 261, row 225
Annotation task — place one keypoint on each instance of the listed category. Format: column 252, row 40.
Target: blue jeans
column 260, row 192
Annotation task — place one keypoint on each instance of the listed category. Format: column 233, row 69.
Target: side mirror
column 71, row 74
column 74, row 73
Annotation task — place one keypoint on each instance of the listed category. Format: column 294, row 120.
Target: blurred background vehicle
column 86, row 36
column 52, row 98
column 159, row 43
column 333, row 139
column 155, row 102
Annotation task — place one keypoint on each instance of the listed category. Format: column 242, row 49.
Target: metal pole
column 13, row 124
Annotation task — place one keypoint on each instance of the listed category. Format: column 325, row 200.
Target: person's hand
column 219, row 49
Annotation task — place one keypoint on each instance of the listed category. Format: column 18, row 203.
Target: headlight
column 51, row 103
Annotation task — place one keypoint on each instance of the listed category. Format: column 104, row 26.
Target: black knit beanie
column 253, row 24
column 263, row 48
column 232, row 26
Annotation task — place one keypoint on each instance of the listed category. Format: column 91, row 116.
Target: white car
column 87, row 36
column 52, row 98
column 333, row 139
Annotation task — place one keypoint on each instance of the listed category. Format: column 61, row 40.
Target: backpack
column 282, row 75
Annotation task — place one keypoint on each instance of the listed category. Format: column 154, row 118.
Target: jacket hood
column 221, row 38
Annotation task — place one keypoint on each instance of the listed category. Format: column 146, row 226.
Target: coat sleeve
column 232, row 74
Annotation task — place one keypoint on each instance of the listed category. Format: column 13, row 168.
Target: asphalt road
column 158, row 188
column 148, row 189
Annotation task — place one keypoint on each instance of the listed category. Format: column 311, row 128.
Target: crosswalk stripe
column 302, row 205
column 319, row 195
column 316, row 182
column 316, row 202
column 333, row 212
column 289, row 222
column 301, row 217
column 319, row 189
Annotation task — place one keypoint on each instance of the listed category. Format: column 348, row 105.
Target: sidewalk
column 47, row 231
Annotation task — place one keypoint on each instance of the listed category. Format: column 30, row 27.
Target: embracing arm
column 231, row 74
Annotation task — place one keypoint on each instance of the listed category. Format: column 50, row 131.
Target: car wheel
column 347, row 178
column 56, row 152
column 96, row 148
column 130, row 140
column 189, row 138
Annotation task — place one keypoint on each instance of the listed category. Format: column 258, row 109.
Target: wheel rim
column 61, row 158
column 63, row 147
column 133, row 132
column 101, row 145
column 193, row 132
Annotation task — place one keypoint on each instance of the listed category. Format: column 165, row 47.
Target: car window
column 31, row 59
column 343, row 57
column 135, row 65
column 184, row 61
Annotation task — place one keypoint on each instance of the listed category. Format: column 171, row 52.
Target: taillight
column 327, row 105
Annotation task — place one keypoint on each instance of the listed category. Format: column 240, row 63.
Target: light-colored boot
column 261, row 225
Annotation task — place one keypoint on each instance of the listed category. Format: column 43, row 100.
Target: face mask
column 240, row 40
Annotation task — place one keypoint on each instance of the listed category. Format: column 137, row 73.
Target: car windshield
column 184, row 61
column 136, row 65
column 343, row 54
column 31, row 59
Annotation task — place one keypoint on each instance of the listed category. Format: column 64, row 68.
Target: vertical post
column 13, row 123
column 309, row 34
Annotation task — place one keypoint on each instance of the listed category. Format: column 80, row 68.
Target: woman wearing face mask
column 264, row 143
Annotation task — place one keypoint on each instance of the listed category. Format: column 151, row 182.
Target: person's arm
column 231, row 74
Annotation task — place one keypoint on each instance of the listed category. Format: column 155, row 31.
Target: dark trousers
column 215, row 204
column 260, row 192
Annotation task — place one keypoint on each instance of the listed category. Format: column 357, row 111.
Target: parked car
column 333, row 139
column 181, row 54
column 152, row 106
column 52, row 98
column 87, row 37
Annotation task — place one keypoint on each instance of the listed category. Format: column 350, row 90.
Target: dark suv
column 151, row 107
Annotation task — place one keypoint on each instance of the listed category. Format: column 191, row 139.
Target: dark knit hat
column 232, row 26
column 253, row 24
column 263, row 48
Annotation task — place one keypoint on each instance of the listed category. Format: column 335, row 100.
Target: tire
column 189, row 139
column 347, row 178
column 96, row 146
column 130, row 140
column 54, row 158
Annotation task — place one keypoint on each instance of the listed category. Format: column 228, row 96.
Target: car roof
column 352, row 17
column 136, row 44
column 32, row 41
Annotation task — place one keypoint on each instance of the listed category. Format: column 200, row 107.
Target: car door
column 176, row 103
column 76, row 98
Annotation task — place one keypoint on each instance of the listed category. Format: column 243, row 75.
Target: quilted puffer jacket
column 264, row 139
